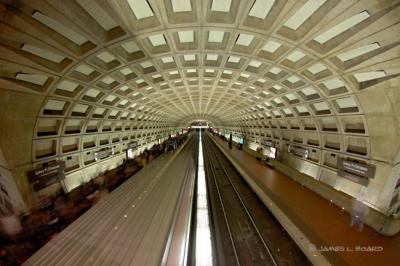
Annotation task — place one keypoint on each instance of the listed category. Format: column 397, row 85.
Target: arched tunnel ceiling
column 295, row 65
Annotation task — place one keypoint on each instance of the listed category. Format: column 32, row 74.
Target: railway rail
column 245, row 232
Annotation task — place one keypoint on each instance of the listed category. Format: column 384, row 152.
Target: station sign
column 298, row 151
column 354, row 171
column 268, row 143
column 363, row 170
column 103, row 154
column 133, row 145
column 46, row 176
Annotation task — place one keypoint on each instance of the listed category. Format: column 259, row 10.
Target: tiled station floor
column 323, row 223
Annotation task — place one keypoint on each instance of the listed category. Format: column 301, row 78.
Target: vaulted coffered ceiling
column 303, row 68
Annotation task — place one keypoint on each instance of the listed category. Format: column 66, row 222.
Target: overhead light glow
column 60, row 28
column 295, row 56
column 293, row 79
column 346, row 102
column 140, row 8
column 130, row 47
column 216, row 36
column 333, row 83
column 106, row 57
column 46, row 54
column 353, row 53
column 212, row 57
column 189, row 57
column 168, row 59
column 261, row 8
column 271, row 46
column 275, row 70
column 186, row 36
column 181, row 6
column 244, row 39
column 255, row 63
column 32, row 78
column 317, row 68
column 67, row 85
column 342, row 27
column 370, row 75
column 295, row 21
column 221, row 5
column 84, row 69
column 157, row 40
column 234, row 59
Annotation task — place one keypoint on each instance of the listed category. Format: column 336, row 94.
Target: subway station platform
column 318, row 226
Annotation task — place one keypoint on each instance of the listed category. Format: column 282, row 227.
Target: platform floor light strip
column 203, row 235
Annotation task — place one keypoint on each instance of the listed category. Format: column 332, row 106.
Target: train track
column 247, row 244
column 245, row 232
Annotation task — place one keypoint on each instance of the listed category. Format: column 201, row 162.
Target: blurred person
column 65, row 208
column 359, row 211
column 100, row 195
column 10, row 225
column 259, row 153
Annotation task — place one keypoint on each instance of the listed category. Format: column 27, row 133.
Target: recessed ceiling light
column 342, row 27
column 370, row 75
column 54, row 105
column 189, row 57
column 157, row 40
column 317, row 68
column 140, row 8
column 146, row 64
column 92, row 93
column 234, row 59
column 346, row 102
column 275, row 70
column 255, row 63
column 32, row 78
column 295, row 56
column 84, row 69
column 168, row 59
column 60, row 28
column 181, row 6
column 110, row 98
column 295, row 21
column 244, row 39
column 106, row 57
column 46, row 54
column 216, row 36
column 108, row 80
column 67, row 85
column 130, row 47
column 126, row 71
column 293, row 79
column 261, row 8
column 353, row 53
column 221, row 5
column 308, row 91
column 301, row 109
column 271, row 46
column 186, row 36
column 212, row 57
